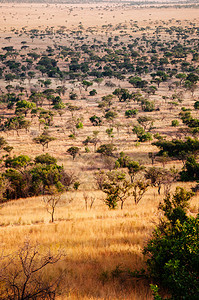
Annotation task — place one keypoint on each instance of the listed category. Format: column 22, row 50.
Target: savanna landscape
column 99, row 168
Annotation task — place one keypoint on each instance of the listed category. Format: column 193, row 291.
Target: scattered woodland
column 99, row 141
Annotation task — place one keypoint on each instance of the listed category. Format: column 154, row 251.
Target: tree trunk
column 122, row 204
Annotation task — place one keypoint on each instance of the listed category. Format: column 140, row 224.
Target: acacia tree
column 44, row 139
column 139, row 189
column 23, row 107
column 133, row 169
column 156, row 177
column 145, row 122
column 116, row 186
column 73, row 151
column 16, row 123
column 106, row 149
column 86, row 84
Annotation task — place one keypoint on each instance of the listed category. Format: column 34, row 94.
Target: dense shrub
column 173, row 252
column 175, row 148
column 174, row 123
column 190, row 171
column 106, row 149
column 130, row 113
column 141, row 134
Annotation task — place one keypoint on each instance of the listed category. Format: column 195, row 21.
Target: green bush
column 106, row 149
column 45, row 159
column 130, row 113
column 147, row 106
column 190, row 171
column 93, row 92
column 146, row 136
column 175, row 123
column 178, row 148
column 173, row 252
column 141, row 134
column 196, row 105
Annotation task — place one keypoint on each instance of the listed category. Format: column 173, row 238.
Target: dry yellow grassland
column 94, row 241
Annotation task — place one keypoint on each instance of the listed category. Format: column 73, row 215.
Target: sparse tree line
column 23, row 177
column 112, row 58
column 45, row 117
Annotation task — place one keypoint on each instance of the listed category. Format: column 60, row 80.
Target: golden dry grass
column 95, row 241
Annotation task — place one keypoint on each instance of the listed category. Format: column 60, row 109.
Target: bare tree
column 51, row 201
column 89, row 200
column 22, row 274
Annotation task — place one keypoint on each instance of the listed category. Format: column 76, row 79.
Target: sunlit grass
column 95, row 241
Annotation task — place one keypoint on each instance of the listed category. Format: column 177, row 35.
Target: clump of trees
column 177, row 148
column 24, row 177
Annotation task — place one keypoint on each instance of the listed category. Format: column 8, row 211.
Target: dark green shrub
column 146, row 136
column 93, row 92
column 130, row 113
column 175, row 148
column 173, row 251
column 96, row 121
column 106, row 149
column 196, row 105
column 17, row 162
column 45, row 159
column 141, row 134
column 147, row 106
column 190, row 171
column 175, row 123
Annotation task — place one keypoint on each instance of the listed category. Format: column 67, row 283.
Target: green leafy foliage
column 73, row 151
column 45, row 159
column 106, row 149
column 23, row 106
column 175, row 148
column 173, row 251
column 95, row 120
column 122, row 94
column 174, row 123
column 190, row 171
column 130, row 113
column 141, row 134
column 17, row 162
column 23, row 179
column 117, row 188
column 137, row 82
